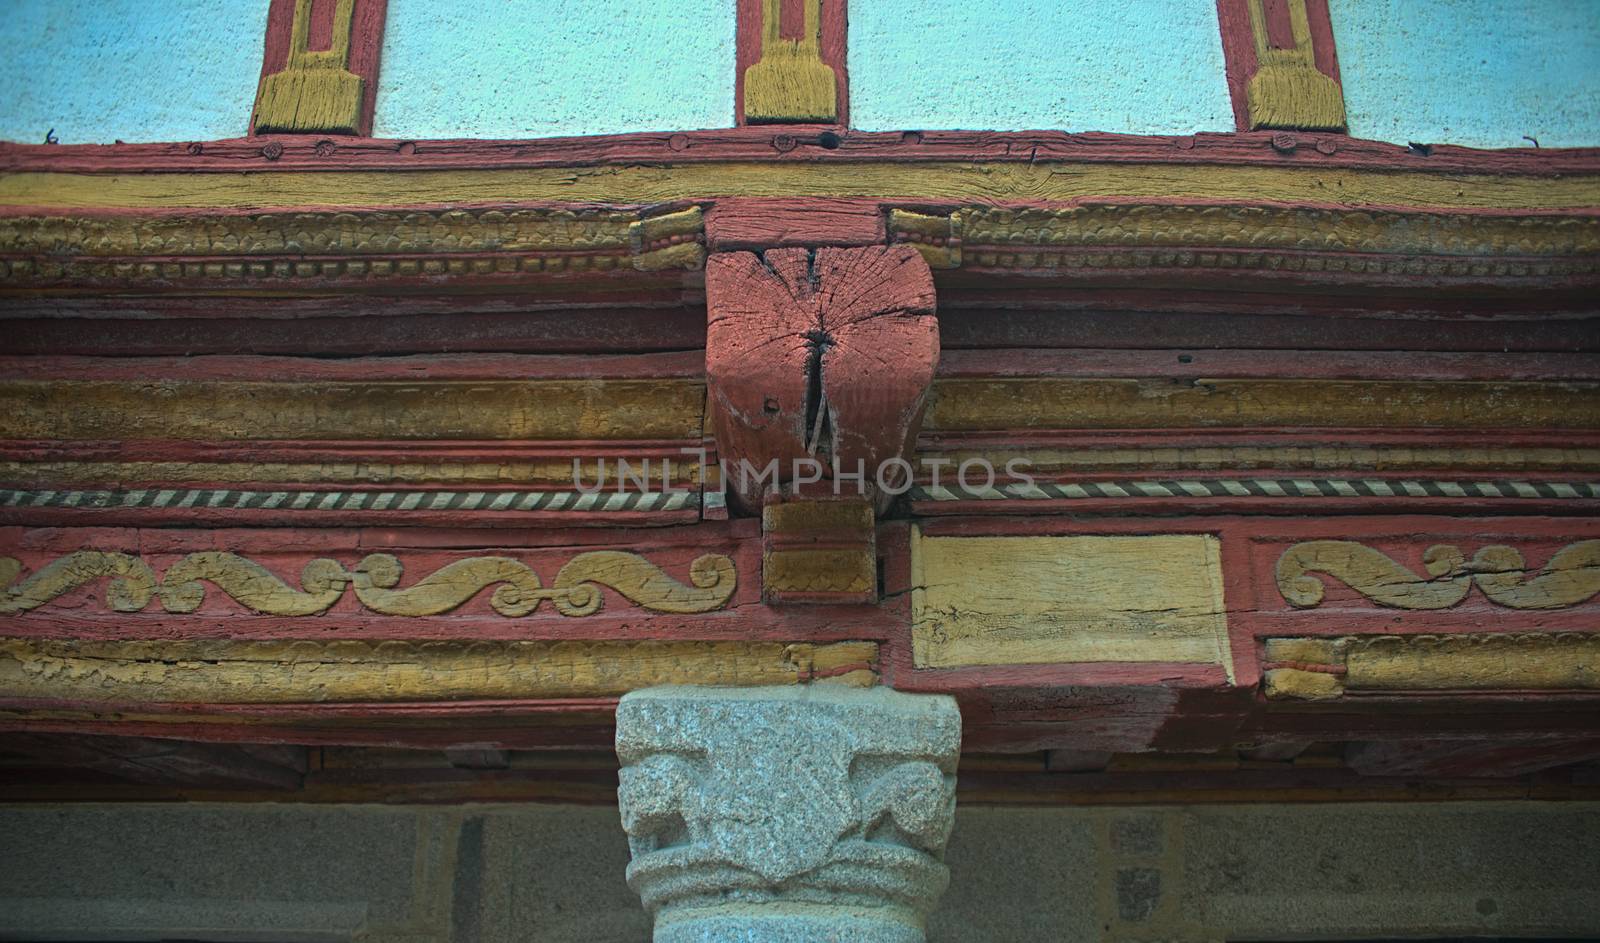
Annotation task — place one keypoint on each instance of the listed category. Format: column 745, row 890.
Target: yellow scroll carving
column 315, row 91
column 518, row 591
column 1571, row 577
column 132, row 584
column 1371, row 574
column 790, row 82
column 251, row 585
column 1287, row 90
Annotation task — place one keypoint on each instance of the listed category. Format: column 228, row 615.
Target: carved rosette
column 787, row 813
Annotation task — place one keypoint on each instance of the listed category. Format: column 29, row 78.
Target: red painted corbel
column 818, row 354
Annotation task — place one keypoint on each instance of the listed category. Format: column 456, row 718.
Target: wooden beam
column 319, row 71
column 819, row 359
column 791, row 65
column 1283, row 72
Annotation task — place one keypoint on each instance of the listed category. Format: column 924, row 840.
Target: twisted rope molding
column 231, row 499
column 1259, row 488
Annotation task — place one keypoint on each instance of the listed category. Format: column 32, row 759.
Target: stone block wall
column 228, row 873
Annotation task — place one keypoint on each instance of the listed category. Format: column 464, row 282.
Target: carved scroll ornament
column 1571, row 577
column 518, row 591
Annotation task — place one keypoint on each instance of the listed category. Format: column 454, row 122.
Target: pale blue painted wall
column 1140, row 66
column 1476, row 72
column 537, row 68
column 135, row 70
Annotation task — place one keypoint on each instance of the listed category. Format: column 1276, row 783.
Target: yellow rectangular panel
column 1051, row 600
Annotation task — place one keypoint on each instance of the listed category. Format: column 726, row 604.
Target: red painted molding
column 791, row 144
column 1239, row 49
column 366, row 45
column 834, row 34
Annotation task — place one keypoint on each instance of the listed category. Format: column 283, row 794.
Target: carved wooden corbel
column 818, row 365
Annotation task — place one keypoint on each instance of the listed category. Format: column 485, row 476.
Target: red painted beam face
column 822, row 354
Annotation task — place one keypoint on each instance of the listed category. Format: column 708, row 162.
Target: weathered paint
column 133, row 70
column 1153, row 67
column 1483, row 73
column 1049, row 599
column 534, row 68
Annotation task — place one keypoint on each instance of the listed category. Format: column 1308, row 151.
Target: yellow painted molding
column 1071, row 403
column 448, row 409
column 224, row 671
column 1300, row 668
column 315, row 91
column 964, row 182
column 790, row 82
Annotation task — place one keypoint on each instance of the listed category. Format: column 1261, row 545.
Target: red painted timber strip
column 780, row 144
column 770, row 224
column 1281, row 364
column 521, row 367
column 1205, row 438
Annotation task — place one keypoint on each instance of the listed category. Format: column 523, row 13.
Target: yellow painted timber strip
column 668, row 408
column 1053, row 403
column 955, row 181
column 546, row 409
column 1523, row 661
column 1478, row 661
column 556, row 473
column 220, row 671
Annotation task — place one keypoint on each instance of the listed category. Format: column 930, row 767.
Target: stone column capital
column 815, row 812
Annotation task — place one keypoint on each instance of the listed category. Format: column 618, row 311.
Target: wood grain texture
column 234, row 672
column 775, row 224
column 319, row 69
column 1032, row 600
column 958, row 182
column 820, row 356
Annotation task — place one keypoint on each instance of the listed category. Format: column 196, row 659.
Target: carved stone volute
column 794, row 813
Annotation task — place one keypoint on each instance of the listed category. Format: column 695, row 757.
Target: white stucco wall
column 537, row 68
column 135, row 70
column 1483, row 73
column 1145, row 67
